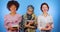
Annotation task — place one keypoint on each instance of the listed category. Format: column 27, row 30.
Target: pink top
column 12, row 20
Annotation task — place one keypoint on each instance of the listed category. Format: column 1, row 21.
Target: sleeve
column 35, row 22
column 5, row 22
column 21, row 23
column 24, row 20
column 51, row 19
column 19, row 19
column 39, row 23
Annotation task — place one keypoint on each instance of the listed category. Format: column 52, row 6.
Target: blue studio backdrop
column 54, row 9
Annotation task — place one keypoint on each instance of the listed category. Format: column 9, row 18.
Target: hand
column 10, row 28
column 27, row 25
column 31, row 22
column 31, row 27
column 49, row 27
column 44, row 29
column 13, row 28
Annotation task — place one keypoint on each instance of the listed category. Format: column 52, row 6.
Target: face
column 30, row 11
column 13, row 8
column 44, row 8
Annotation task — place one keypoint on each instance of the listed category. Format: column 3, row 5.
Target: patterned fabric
column 46, row 31
column 12, row 21
column 43, row 21
column 32, row 17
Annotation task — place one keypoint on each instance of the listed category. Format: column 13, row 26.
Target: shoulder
column 18, row 15
column 40, row 16
column 33, row 15
column 24, row 15
column 7, row 15
column 50, row 16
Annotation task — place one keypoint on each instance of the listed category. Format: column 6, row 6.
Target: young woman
column 12, row 19
column 45, row 21
column 29, row 20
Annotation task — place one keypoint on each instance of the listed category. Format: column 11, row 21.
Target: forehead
column 13, row 5
column 44, row 6
column 30, row 8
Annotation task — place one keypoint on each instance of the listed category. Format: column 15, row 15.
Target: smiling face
column 44, row 8
column 30, row 11
column 13, row 8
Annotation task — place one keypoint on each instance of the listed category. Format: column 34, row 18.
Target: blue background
column 54, row 10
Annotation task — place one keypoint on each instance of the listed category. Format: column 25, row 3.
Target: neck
column 13, row 13
column 45, row 14
column 29, row 14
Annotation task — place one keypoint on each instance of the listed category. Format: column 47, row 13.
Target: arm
column 20, row 21
column 5, row 22
column 40, row 27
column 51, row 25
column 39, row 23
column 34, row 22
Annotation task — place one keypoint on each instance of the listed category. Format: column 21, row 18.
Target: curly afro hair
column 10, row 3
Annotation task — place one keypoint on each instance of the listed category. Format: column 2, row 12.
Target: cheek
column 13, row 9
column 45, row 9
column 30, row 12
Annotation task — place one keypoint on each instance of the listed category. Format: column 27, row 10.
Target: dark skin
column 12, row 13
column 30, row 11
column 29, row 25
